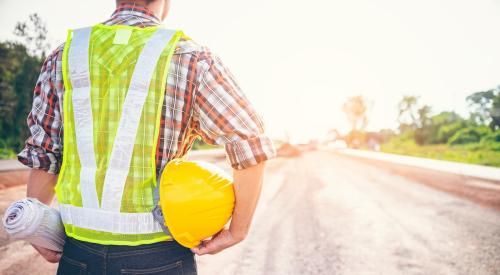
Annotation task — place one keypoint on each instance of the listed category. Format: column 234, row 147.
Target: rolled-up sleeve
column 223, row 115
column 43, row 148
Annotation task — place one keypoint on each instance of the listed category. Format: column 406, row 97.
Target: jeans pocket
column 70, row 266
column 169, row 269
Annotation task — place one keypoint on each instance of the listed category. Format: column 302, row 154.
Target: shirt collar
column 134, row 10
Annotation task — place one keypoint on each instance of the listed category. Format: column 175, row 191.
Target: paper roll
column 30, row 220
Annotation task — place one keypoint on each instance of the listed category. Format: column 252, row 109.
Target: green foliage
column 439, row 128
column 446, row 131
column 199, row 144
column 19, row 68
column 425, row 127
column 448, row 136
column 468, row 153
column 424, row 135
column 486, row 107
column 491, row 141
column 18, row 73
column 469, row 135
column 5, row 151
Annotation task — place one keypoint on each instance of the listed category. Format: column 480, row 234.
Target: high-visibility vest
column 114, row 79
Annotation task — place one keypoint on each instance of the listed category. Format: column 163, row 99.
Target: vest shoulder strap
column 79, row 76
column 121, row 154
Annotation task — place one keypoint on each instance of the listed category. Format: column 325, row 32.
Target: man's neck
column 134, row 15
column 154, row 7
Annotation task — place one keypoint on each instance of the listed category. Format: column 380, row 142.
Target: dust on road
column 327, row 214
column 336, row 215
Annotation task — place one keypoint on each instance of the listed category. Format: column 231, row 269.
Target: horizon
column 380, row 50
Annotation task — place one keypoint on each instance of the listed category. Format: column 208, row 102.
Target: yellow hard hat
column 196, row 198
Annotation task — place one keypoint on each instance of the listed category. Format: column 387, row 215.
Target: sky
column 298, row 61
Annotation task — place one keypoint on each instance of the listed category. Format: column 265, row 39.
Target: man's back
column 200, row 98
column 195, row 73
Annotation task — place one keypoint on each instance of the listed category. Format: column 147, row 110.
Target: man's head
column 160, row 8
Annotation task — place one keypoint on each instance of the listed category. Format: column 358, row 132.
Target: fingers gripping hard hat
column 197, row 200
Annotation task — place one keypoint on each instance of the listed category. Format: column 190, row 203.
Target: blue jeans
column 167, row 257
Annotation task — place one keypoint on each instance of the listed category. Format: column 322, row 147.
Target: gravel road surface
column 323, row 213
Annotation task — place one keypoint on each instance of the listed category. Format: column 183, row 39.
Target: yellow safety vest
column 114, row 79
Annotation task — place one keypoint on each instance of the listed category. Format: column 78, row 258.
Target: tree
column 18, row 72
column 495, row 112
column 485, row 107
column 469, row 135
column 34, row 34
column 424, row 116
column 355, row 108
column 446, row 125
column 19, row 67
column 422, row 125
column 438, row 128
column 407, row 116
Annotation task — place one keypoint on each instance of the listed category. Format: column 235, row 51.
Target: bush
column 469, row 135
column 438, row 128
column 445, row 132
column 491, row 141
column 5, row 151
column 199, row 144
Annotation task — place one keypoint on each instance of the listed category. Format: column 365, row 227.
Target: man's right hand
column 50, row 255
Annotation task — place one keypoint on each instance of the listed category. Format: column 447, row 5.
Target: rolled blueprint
column 32, row 221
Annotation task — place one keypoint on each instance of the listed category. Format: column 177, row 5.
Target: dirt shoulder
column 481, row 191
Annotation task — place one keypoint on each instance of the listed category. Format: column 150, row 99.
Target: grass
column 470, row 153
column 7, row 153
column 206, row 147
column 199, row 144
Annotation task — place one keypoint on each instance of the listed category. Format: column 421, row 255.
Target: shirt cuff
column 38, row 158
column 249, row 152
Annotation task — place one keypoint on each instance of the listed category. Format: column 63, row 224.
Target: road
column 324, row 213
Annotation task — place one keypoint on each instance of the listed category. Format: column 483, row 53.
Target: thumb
column 197, row 249
column 208, row 246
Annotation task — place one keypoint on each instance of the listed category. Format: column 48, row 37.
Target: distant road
column 325, row 213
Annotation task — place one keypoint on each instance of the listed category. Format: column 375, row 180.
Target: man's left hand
column 217, row 243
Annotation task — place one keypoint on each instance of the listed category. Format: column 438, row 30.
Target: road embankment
column 477, row 183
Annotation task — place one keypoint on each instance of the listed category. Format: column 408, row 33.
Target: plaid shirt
column 202, row 98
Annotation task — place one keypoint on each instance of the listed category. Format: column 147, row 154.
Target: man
column 200, row 98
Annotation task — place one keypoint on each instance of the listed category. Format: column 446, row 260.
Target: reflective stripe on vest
column 116, row 222
column 107, row 217
column 78, row 61
column 119, row 163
